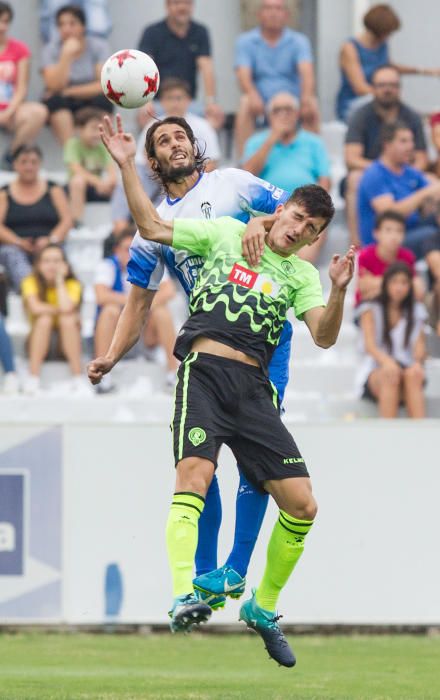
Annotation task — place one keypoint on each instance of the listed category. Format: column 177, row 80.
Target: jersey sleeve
column 105, row 273
column 199, row 235
column 309, row 294
column 258, row 196
column 145, row 267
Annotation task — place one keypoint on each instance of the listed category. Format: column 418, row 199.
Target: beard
column 388, row 102
column 169, row 174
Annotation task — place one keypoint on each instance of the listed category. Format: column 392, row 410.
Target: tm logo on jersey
column 253, row 280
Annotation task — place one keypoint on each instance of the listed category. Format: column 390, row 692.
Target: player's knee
column 111, row 311
column 304, row 509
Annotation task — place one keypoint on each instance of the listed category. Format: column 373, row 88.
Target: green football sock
column 285, row 548
column 181, row 536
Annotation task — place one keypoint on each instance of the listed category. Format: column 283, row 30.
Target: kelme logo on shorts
column 197, row 436
column 287, row 267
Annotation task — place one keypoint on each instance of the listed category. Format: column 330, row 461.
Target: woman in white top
column 393, row 345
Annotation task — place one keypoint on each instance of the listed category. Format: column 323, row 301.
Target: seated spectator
column 361, row 55
column 97, row 12
column 52, row 297
column 288, row 156
column 71, row 71
column 175, row 101
column 375, row 259
column 23, row 119
column 389, row 183
column 92, row 172
column 394, row 346
column 362, row 141
column 270, row 59
column 33, row 213
column 181, row 48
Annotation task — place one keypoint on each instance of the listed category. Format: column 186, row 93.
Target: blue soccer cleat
column 221, row 582
column 215, row 602
column 265, row 623
column 188, row 610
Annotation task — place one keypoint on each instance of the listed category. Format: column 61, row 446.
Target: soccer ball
column 130, row 78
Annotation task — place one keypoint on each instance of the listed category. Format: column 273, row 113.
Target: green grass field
column 197, row 667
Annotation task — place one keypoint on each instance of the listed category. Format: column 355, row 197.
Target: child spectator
column 33, row 213
column 393, row 343
column 111, row 289
column 92, row 172
column 375, row 259
column 23, row 119
column 71, row 71
column 52, row 297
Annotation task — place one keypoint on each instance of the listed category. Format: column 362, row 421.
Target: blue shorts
column 279, row 364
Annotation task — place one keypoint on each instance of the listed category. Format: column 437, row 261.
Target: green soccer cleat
column 188, row 610
column 265, row 623
column 215, row 602
column 224, row 581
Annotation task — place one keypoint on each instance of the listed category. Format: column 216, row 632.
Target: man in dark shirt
column 180, row 48
column 362, row 142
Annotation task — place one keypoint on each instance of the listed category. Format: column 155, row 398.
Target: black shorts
column 221, row 401
column 93, row 196
column 56, row 102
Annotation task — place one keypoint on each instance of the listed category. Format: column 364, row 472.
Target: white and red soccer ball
column 130, row 78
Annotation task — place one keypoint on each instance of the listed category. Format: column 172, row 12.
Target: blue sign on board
column 11, row 524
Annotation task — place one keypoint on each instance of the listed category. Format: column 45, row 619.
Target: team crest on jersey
column 287, row 267
column 253, row 280
column 206, row 208
column 189, row 267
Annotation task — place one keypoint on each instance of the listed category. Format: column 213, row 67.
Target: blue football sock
column 209, row 526
column 249, row 513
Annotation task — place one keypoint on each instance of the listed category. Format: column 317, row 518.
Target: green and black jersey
column 233, row 304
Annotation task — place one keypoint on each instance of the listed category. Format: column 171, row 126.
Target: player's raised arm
column 122, row 148
column 324, row 323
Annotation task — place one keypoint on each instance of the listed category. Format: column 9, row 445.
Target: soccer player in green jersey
column 223, row 394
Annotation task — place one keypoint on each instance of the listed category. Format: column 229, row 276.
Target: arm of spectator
column 407, row 205
column 419, row 288
column 354, row 157
column 7, row 235
column 89, row 178
column 56, row 75
column 416, row 70
column 206, row 68
column 307, row 78
column 36, row 307
column 419, row 352
column 86, row 90
column 66, row 302
column 127, row 332
column 247, row 86
column 325, row 183
column 165, row 293
column 105, row 295
column 369, row 285
column 256, row 162
column 61, row 204
column 350, row 65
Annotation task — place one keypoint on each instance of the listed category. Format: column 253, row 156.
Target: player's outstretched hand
column 120, row 144
column 97, row 368
column 341, row 269
column 252, row 244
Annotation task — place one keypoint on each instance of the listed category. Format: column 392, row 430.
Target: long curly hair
column 199, row 154
column 406, row 305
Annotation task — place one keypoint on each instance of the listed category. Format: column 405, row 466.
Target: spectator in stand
column 71, row 71
column 287, row 156
column 97, row 13
column 10, row 380
column 375, row 259
column 270, row 59
column 111, row 289
column 361, row 55
column 389, row 183
column 362, row 142
column 393, row 343
column 23, row 119
column 52, row 297
column 92, row 173
column 175, row 100
column 180, row 48
column 33, row 213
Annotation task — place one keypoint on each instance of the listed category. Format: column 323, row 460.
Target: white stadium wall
column 90, row 502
